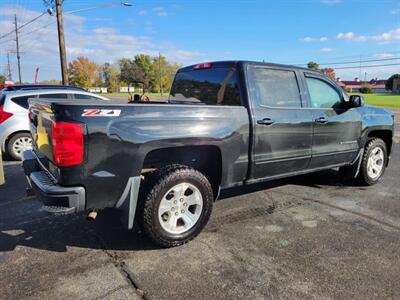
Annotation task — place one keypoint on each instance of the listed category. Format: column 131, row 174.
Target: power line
column 357, row 61
column 22, row 26
column 369, row 66
column 7, row 41
column 39, row 28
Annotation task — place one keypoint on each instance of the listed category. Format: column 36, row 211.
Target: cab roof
column 233, row 63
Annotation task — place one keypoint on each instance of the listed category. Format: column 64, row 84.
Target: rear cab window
column 210, row 86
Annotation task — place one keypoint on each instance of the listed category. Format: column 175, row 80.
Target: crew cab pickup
column 225, row 124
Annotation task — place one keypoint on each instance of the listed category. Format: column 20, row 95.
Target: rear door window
column 23, row 100
column 214, row 86
column 273, row 87
column 53, row 96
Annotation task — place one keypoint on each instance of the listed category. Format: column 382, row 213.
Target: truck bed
column 119, row 140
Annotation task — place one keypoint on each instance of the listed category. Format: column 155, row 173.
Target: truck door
column 336, row 128
column 282, row 128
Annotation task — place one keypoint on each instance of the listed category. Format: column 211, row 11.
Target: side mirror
column 356, row 101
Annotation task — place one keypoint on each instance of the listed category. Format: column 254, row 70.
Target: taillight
column 4, row 115
column 202, row 66
column 67, row 140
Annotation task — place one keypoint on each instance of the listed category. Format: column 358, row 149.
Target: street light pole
column 61, row 38
column 61, row 43
column 18, row 56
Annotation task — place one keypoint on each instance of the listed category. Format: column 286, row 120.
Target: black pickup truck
column 225, row 124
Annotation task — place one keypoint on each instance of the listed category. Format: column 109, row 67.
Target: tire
column 375, row 148
column 18, row 144
column 176, row 205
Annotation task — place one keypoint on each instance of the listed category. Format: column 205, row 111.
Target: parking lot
column 312, row 236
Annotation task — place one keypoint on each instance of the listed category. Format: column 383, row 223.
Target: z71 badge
column 95, row 112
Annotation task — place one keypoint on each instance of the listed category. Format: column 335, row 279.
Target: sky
column 192, row 31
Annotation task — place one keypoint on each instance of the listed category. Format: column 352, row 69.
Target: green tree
column 366, row 90
column 130, row 72
column 50, row 81
column 144, row 63
column 167, row 70
column 389, row 82
column 2, row 79
column 110, row 77
column 313, row 65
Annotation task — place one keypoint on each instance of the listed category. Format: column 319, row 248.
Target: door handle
column 265, row 121
column 321, row 120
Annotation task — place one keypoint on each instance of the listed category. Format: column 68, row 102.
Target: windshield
column 214, row 86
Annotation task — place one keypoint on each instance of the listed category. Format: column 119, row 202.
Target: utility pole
column 61, row 43
column 9, row 77
column 160, row 71
column 18, row 56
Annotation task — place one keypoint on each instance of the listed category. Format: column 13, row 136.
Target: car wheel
column 374, row 162
column 177, row 205
column 18, row 144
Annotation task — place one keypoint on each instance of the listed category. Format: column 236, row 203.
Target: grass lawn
column 383, row 100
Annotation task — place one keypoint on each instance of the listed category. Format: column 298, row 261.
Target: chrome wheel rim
column 375, row 163
column 180, row 208
column 22, row 144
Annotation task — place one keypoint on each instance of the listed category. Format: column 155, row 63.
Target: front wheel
column 374, row 160
column 177, row 205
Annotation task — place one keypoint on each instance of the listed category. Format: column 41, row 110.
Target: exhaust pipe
column 92, row 216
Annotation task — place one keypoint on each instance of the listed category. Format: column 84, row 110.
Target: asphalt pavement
column 313, row 236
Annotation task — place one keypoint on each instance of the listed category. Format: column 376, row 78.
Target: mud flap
column 358, row 160
column 128, row 201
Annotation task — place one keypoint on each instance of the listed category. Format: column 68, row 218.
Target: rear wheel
column 177, row 205
column 19, row 143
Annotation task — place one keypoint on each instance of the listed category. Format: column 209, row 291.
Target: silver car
column 15, row 137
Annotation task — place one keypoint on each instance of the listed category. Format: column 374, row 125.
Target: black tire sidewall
column 11, row 142
column 373, row 144
column 162, row 186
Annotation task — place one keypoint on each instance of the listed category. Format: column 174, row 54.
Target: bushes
column 366, row 90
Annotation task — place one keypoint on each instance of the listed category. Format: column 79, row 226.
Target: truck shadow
column 23, row 223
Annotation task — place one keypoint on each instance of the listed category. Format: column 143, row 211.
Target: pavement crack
column 120, row 265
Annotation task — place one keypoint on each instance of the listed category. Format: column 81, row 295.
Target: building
column 353, row 86
column 396, row 85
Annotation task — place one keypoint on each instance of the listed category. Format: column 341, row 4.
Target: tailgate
column 41, row 116
column 58, row 139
